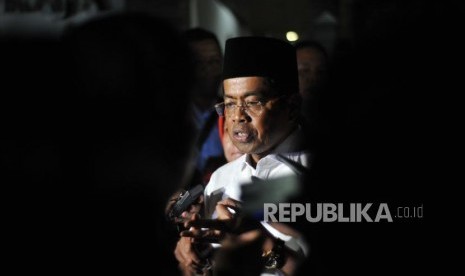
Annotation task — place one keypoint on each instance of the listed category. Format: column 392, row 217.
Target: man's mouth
column 242, row 136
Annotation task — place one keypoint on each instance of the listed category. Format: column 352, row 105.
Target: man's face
column 208, row 60
column 312, row 67
column 255, row 134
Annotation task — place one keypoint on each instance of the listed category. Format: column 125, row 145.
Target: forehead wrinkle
column 242, row 87
column 245, row 95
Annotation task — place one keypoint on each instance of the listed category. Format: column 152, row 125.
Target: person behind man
column 126, row 140
column 312, row 64
column 207, row 61
column 261, row 109
column 94, row 139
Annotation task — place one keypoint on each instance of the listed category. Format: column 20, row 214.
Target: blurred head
column 312, row 64
column 98, row 120
column 261, row 101
column 207, row 60
column 127, row 100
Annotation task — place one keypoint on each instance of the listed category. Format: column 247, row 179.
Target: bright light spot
column 292, row 36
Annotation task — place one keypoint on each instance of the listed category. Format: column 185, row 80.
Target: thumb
column 193, row 217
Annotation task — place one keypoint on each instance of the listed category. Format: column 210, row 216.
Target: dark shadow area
column 95, row 140
column 376, row 142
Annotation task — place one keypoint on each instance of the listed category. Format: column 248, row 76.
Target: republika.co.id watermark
column 339, row 212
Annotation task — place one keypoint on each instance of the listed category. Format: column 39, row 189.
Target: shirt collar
column 292, row 143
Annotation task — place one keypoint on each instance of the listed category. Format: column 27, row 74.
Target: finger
column 172, row 200
column 192, row 266
column 222, row 225
column 209, row 239
column 187, row 263
column 188, row 255
column 183, row 218
column 179, row 220
column 178, row 256
column 177, row 253
column 200, row 199
column 223, row 212
column 251, row 236
column 285, row 229
column 188, row 270
column 192, row 232
column 185, row 215
column 193, row 217
column 234, row 204
column 201, row 235
column 185, row 270
column 195, row 208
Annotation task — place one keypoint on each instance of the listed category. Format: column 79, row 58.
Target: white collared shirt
column 227, row 180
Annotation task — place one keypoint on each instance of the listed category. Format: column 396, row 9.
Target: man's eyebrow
column 246, row 94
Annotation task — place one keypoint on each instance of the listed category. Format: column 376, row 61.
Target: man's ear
column 294, row 104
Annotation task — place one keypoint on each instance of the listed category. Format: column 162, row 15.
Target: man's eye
column 229, row 105
column 253, row 103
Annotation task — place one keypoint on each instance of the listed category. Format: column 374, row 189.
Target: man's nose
column 240, row 114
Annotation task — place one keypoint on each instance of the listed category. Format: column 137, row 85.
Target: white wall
column 217, row 18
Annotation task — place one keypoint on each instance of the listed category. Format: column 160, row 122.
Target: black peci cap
column 262, row 57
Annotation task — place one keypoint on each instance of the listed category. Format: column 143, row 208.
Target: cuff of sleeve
column 296, row 244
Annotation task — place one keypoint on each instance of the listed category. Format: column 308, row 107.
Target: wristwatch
column 275, row 257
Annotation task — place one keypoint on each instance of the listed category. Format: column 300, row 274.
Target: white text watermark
column 337, row 212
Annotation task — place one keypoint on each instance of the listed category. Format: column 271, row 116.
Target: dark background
column 378, row 136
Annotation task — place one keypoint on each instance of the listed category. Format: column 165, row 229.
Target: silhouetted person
column 106, row 144
column 207, row 62
column 129, row 109
column 312, row 65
